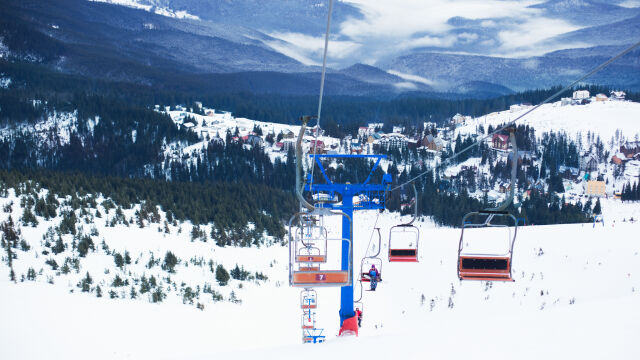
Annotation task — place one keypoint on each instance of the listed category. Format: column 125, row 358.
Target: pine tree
column 170, row 262
column 222, row 276
column 597, row 210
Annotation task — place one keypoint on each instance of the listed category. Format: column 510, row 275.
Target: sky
column 387, row 28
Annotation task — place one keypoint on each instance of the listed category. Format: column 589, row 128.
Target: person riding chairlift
column 374, row 277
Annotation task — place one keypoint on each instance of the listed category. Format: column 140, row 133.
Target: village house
column 319, row 148
column 568, row 172
column 252, row 139
column 398, row 129
column 433, row 143
column 589, row 163
column 601, row 97
column 595, row 188
column 393, row 140
column 617, row 95
column 618, row 160
column 581, row 95
column 500, row 141
column 458, row 119
column 630, row 149
column 288, row 134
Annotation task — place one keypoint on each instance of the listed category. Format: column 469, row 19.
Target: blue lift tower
column 369, row 197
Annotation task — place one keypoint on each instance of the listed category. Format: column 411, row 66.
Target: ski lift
column 311, row 242
column 308, row 299
column 308, row 320
column 374, row 260
column 307, row 274
column 404, row 238
column 495, row 264
column 487, row 265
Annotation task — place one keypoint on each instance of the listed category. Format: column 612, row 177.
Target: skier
column 374, row 277
column 359, row 316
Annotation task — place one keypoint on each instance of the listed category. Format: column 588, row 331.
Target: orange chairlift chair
column 492, row 265
column 374, row 259
column 404, row 239
column 305, row 274
column 308, row 299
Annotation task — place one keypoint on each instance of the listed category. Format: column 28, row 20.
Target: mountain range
column 224, row 46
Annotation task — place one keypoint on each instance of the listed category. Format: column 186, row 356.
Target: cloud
column 630, row 3
column 308, row 49
column 467, row 37
column 530, row 34
column 410, row 77
column 508, row 28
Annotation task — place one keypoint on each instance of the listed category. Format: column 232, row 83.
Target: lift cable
column 322, row 76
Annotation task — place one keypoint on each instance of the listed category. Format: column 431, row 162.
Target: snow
column 5, row 82
column 575, row 296
column 180, row 14
column 602, row 118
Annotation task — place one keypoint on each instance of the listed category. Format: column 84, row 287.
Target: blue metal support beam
column 348, row 192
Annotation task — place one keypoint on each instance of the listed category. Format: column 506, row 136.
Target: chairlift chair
column 308, row 299
column 404, row 238
column 486, row 265
column 490, row 265
column 367, row 261
column 306, row 273
column 365, row 265
column 311, row 243
column 308, row 320
column 403, row 243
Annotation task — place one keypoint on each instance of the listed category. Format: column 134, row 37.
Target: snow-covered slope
column 575, row 295
column 601, row 118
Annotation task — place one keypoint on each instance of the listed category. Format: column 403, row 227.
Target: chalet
column 433, row 143
column 500, row 141
column 581, row 95
column 412, row 144
column 618, row 160
column 374, row 127
column 253, row 140
column 617, row 95
column 319, row 146
column 311, row 131
column 279, row 145
column 601, row 97
column 288, row 134
column 459, row 119
column 568, row 172
column 630, row 149
column 589, row 163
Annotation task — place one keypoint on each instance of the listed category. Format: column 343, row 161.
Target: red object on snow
column 349, row 327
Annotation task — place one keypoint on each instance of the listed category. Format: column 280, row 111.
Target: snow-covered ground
column 601, row 118
column 576, row 295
